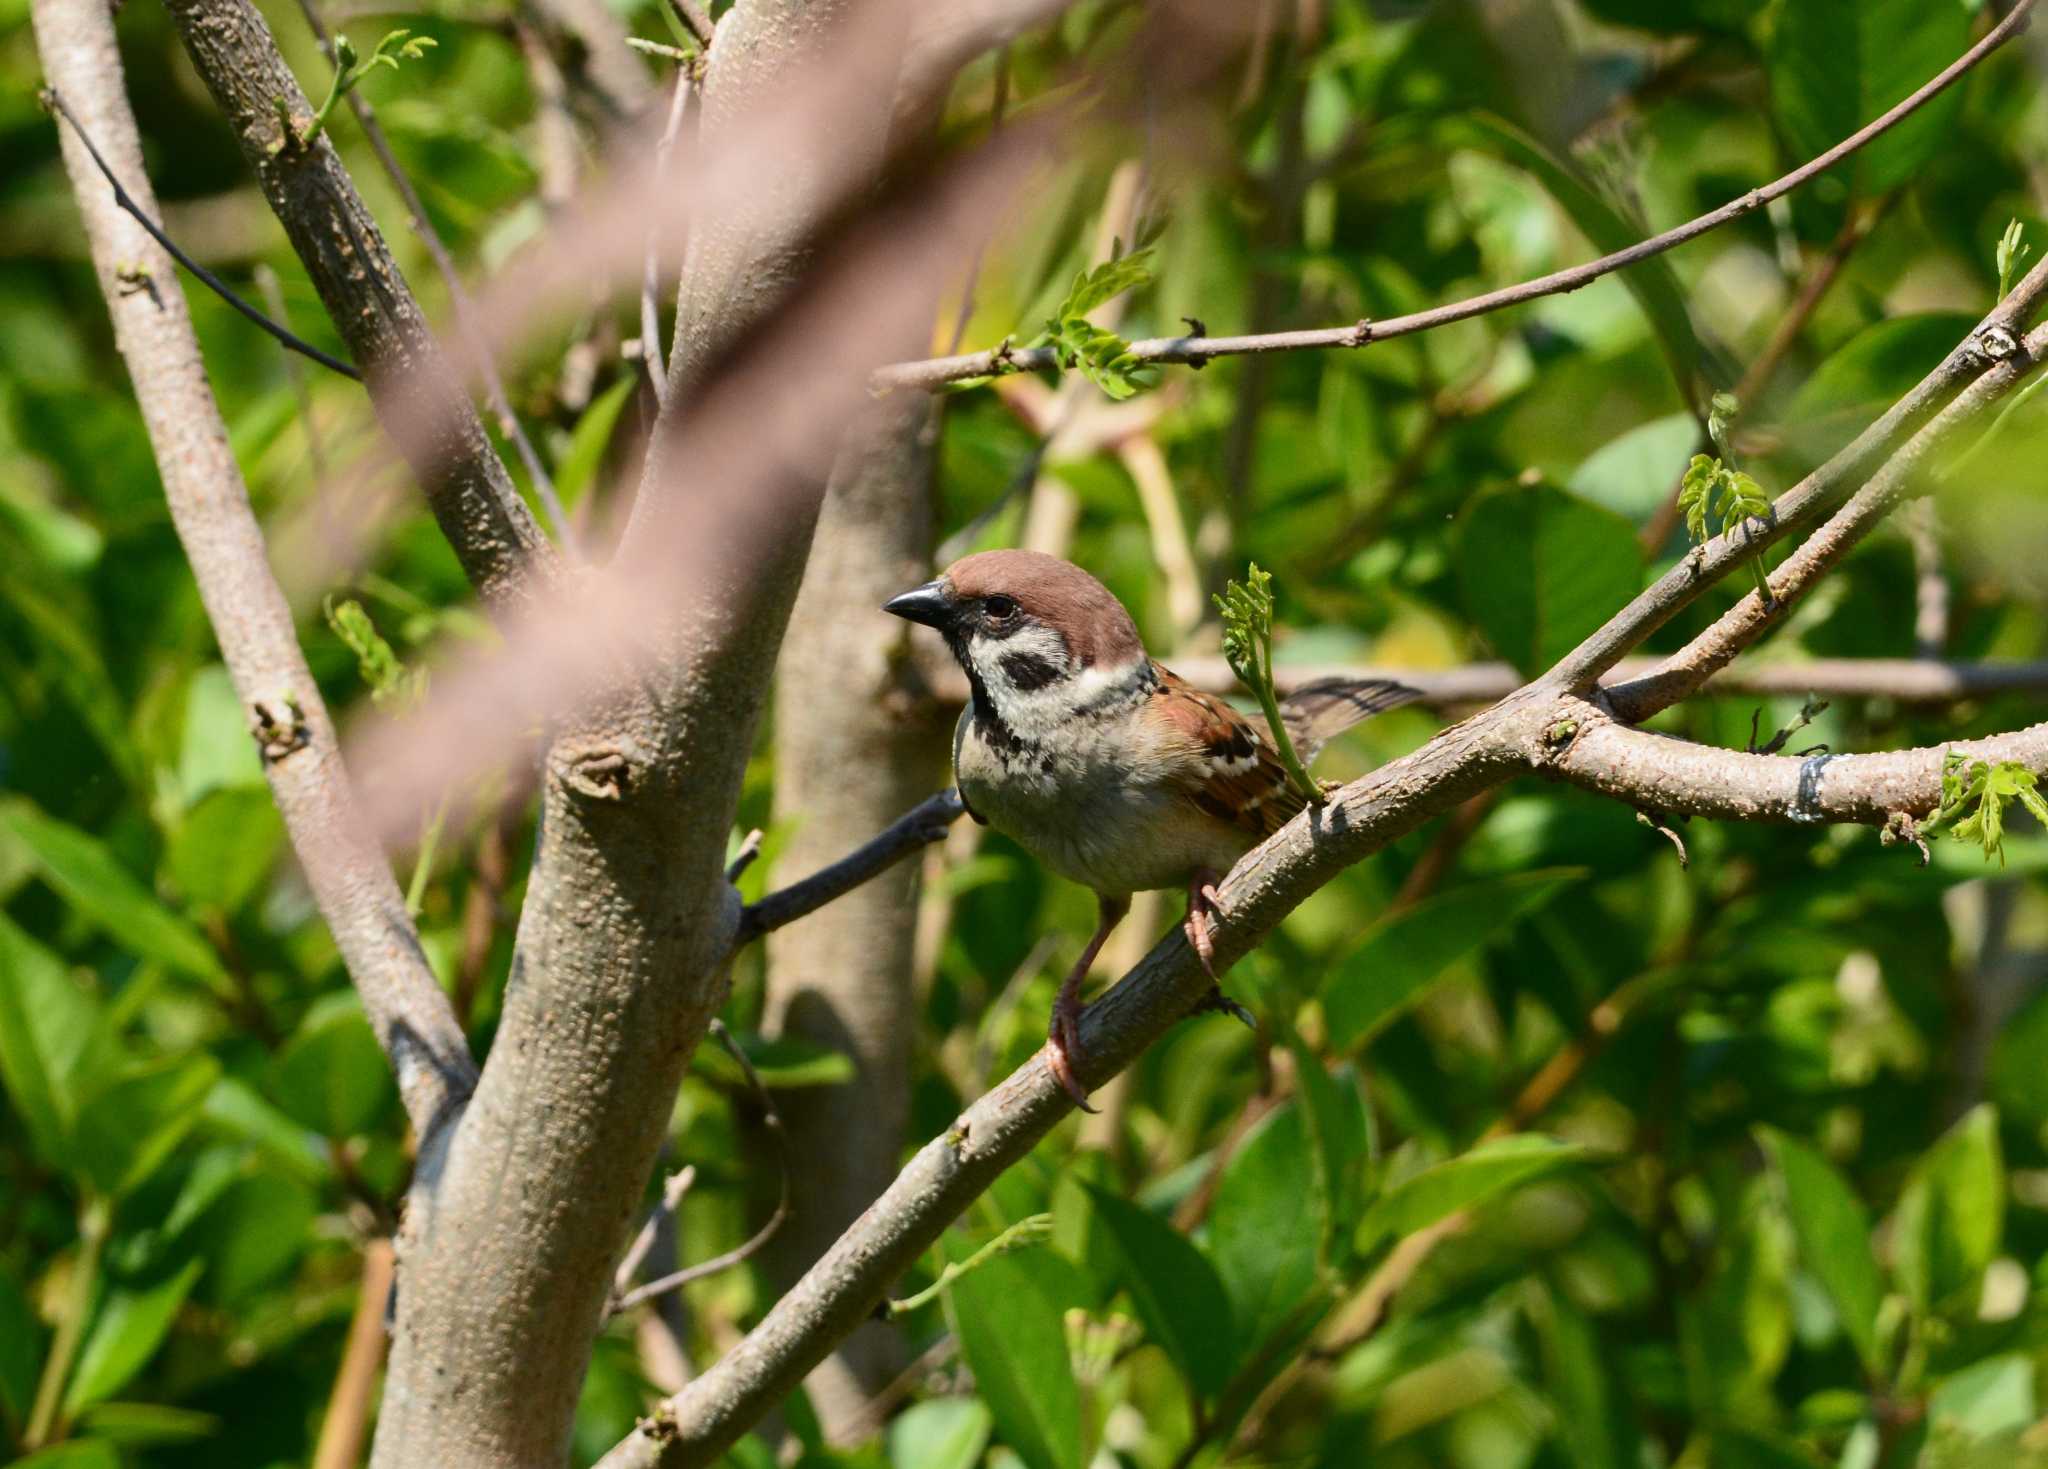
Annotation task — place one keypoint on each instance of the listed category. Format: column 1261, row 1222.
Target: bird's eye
column 999, row 608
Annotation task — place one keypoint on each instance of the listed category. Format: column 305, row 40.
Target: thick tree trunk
column 855, row 747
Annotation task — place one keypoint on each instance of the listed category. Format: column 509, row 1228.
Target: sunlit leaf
column 1463, row 1182
column 1541, row 569
column 1834, row 1236
column 1404, row 953
column 1012, row 1334
column 1175, row 1290
column 125, row 1335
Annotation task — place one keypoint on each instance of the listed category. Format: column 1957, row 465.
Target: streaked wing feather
column 1318, row 712
column 1237, row 778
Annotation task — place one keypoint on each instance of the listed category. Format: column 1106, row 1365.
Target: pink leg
column 1201, row 918
column 1063, row 1043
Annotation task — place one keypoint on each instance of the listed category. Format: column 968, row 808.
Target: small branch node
column 1656, row 822
column 279, row 725
column 1998, row 343
column 745, row 857
column 1900, row 827
column 1361, row 333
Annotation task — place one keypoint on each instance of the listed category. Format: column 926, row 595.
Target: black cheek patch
column 1028, row 671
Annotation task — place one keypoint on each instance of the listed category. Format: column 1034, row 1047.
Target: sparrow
column 1103, row 764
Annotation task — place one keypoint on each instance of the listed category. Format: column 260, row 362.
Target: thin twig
column 302, row 394
column 672, row 1192
column 938, row 371
column 920, row 827
column 355, row 1384
column 772, row 1119
column 695, row 19
column 746, row 856
column 652, row 352
column 52, row 100
column 458, row 297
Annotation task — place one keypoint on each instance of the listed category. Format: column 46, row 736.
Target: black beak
column 930, row 604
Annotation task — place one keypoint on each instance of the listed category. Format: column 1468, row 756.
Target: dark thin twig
column 938, row 371
column 766, row 1232
column 1811, row 710
column 919, row 827
column 458, row 298
column 214, row 283
column 695, row 20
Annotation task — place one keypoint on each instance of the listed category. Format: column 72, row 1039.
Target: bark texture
column 856, row 745
column 418, row 397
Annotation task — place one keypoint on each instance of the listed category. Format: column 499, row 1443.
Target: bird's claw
column 1201, row 920
column 1063, row 1048
column 1222, row 1003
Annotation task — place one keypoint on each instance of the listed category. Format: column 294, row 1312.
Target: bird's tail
column 1318, row 712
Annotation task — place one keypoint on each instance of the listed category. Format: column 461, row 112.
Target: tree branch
column 1543, row 727
column 1907, row 680
column 1981, row 353
column 416, row 394
column 458, row 295
column 938, row 371
column 1751, row 617
column 1678, row 777
column 915, row 830
column 209, row 504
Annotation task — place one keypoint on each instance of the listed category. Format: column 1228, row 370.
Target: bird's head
column 1034, row 634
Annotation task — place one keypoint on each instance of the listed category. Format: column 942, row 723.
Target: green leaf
column 1340, row 1131
column 1632, row 473
column 1591, row 1424
column 130, row 1125
column 1463, row 1182
column 1105, row 282
column 49, row 1027
column 2018, row 1080
column 331, row 1076
column 141, row 1425
column 1013, row 1335
column 1542, row 569
column 782, row 1061
column 234, row 1108
column 95, row 884
column 225, row 846
column 1404, row 953
column 577, row 470
column 1951, row 1213
column 1175, row 1289
column 1696, row 495
column 944, row 1433
column 21, row 1352
column 1866, row 374
column 1833, row 1234
column 1652, row 282
column 390, row 682
column 1838, row 64
column 129, row 1328
column 1675, row 17
column 1986, row 1398
column 253, row 1233
column 1263, row 1241
column 81, row 1453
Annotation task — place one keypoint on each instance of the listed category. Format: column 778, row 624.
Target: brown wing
column 1318, row 712
column 1232, row 773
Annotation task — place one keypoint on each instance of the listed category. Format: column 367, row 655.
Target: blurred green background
column 1751, row 1156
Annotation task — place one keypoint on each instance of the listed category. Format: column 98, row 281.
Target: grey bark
column 418, row 397
column 856, row 744
column 209, row 505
